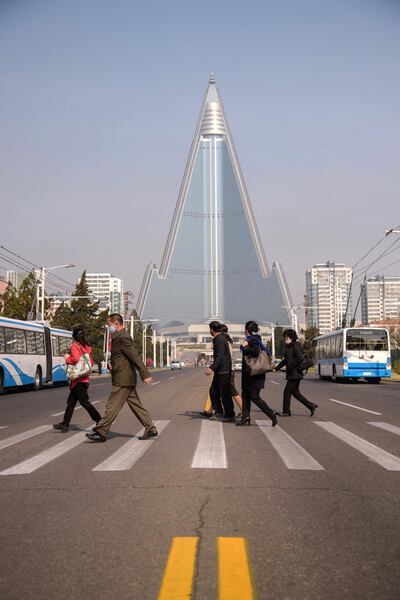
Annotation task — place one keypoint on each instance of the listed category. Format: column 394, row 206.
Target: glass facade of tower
column 213, row 268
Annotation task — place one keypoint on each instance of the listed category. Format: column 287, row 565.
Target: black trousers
column 221, row 395
column 80, row 394
column 292, row 388
column 249, row 395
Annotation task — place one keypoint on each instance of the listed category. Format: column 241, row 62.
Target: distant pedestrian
column 78, row 387
column 124, row 363
column 253, row 384
column 292, row 360
column 220, row 390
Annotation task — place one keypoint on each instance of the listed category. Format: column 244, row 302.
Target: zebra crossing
column 210, row 451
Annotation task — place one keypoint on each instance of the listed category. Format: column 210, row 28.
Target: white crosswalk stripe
column 43, row 458
column 386, row 426
column 20, row 437
column 381, row 457
column 292, row 454
column 131, row 451
column 210, row 452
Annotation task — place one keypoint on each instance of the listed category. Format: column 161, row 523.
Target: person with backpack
column 295, row 362
column 253, row 384
column 79, row 386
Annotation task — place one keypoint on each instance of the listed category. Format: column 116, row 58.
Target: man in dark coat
column 124, row 363
column 220, row 391
column 292, row 360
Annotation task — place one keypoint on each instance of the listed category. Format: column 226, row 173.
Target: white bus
column 354, row 353
column 31, row 354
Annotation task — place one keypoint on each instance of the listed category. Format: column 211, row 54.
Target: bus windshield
column 367, row 339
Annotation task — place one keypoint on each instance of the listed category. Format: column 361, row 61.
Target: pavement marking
column 130, row 452
column 353, row 406
column 23, row 436
column 210, row 451
column 178, row 576
column 3, row 426
column 171, row 377
column 274, row 382
column 234, row 572
column 292, row 454
column 76, row 408
column 156, row 382
column 388, row 461
column 41, row 459
column 386, row 427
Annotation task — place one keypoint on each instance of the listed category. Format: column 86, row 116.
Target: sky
column 98, row 107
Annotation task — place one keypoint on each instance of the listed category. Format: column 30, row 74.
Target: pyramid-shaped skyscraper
column 214, row 265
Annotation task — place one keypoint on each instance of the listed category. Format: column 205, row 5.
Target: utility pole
column 161, row 351
column 154, row 349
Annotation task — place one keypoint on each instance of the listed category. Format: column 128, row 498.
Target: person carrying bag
column 79, row 363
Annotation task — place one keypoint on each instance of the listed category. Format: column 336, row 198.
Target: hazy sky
column 98, row 106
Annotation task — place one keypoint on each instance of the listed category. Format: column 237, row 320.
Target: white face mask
column 112, row 329
column 288, row 341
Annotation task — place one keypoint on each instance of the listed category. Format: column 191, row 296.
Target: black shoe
column 152, row 433
column 93, row 436
column 205, row 414
column 285, row 414
column 61, row 427
column 228, row 420
column 216, row 417
column 243, row 421
column 274, row 419
column 313, row 409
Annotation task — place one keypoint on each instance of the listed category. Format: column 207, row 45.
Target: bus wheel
column 37, row 385
column 374, row 380
column 1, row 381
column 319, row 372
column 334, row 376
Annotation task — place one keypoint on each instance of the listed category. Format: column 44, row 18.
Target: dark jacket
column 125, row 360
column 293, row 357
column 256, row 382
column 222, row 361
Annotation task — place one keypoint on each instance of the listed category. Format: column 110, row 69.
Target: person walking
column 124, row 363
column 220, row 390
column 234, row 393
column 78, row 387
column 292, row 360
column 253, row 384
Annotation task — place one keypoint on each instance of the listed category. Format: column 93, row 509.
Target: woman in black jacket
column 293, row 358
column 252, row 385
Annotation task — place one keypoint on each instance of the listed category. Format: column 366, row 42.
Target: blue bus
column 354, row 353
column 32, row 353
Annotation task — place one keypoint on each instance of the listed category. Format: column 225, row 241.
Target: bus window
column 340, row 345
column 21, row 341
column 55, row 345
column 367, row 339
column 2, row 341
column 11, row 341
column 30, row 342
column 64, row 345
column 39, row 343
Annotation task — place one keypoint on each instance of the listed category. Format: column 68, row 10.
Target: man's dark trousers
column 223, row 383
column 215, row 396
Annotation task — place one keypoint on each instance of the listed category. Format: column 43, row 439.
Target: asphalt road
column 308, row 510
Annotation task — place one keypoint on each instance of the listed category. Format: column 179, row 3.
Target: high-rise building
column 328, row 286
column 214, row 265
column 109, row 290
column 16, row 278
column 380, row 299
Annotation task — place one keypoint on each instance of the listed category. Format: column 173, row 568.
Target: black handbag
column 306, row 363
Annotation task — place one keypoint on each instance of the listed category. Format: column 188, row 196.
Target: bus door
column 49, row 355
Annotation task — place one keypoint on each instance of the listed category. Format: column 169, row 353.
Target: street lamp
column 40, row 294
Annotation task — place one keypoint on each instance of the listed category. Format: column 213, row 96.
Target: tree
column 309, row 335
column 21, row 303
column 279, row 343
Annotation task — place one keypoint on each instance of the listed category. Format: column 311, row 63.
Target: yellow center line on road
column 178, row 575
column 234, row 571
